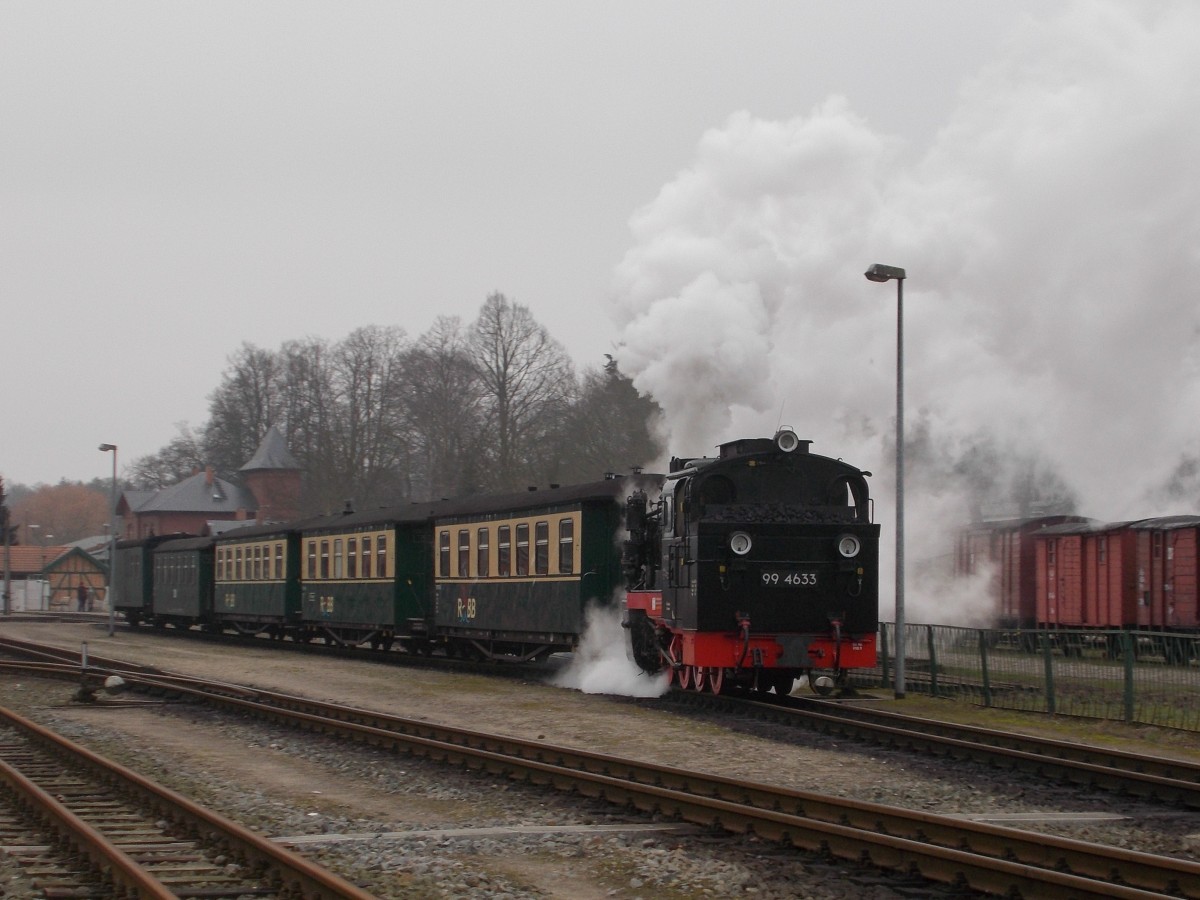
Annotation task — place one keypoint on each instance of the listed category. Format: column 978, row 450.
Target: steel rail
column 889, row 836
column 1152, row 778
column 297, row 876
column 1137, row 775
column 88, row 842
column 1068, row 751
column 503, row 755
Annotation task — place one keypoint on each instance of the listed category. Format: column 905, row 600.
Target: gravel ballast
column 405, row 827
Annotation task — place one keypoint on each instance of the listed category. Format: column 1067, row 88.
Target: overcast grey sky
column 695, row 186
column 177, row 178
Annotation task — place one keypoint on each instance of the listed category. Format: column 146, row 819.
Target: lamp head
column 106, row 447
column 879, row 272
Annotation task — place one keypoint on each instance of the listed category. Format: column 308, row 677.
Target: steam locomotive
column 751, row 569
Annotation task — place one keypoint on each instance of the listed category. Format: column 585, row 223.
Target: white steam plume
column 601, row 665
column 1051, row 240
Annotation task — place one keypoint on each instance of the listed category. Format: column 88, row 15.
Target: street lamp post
column 112, row 546
column 882, row 274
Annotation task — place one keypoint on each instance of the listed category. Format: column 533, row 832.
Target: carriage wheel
column 716, row 680
column 699, row 678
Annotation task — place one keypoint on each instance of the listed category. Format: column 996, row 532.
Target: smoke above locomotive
column 1051, row 336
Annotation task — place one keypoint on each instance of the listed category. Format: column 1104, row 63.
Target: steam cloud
column 601, row 664
column 1051, row 240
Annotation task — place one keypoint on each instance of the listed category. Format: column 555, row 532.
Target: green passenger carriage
column 257, row 586
column 133, row 575
column 183, row 582
column 515, row 574
column 365, row 577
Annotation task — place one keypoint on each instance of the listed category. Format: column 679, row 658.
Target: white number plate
column 788, row 578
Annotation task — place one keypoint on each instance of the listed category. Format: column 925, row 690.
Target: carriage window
column 312, row 560
column 444, row 554
column 566, row 546
column 220, row 564
column 482, row 564
column 324, row 559
column 337, row 558
column 503, row 555
column 258, row 563
column 352, row 557
column 541, row 540
column 523, row 549
column 238, row 564
column 279, row 561
column 381, row 556
column 464, row 553
column 366, row 556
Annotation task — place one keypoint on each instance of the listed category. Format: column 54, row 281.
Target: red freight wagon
column 1166, row 554
column 1005, row 549
column 1085, row 576
column 1061, row 580
column 1110, row 599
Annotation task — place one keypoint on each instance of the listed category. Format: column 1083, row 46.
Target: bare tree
column 248, row 401
column 370, row 445
column 308, row 415
column 444, row 404
column 528, row 383
column 182, row 456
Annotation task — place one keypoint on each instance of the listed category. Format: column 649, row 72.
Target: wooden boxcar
column 1166, row 553
column 366, row 577
column 1062, row 577
column 257, row 577
column 515, row 573
column 1085, row 576
column 1135, row 575
column 1005, row 551
column 183, row 582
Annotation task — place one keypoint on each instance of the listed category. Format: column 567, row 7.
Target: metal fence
column 1141, row 677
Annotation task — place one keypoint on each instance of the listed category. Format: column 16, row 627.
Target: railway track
column 1153, row 778
column 987, row 858
column 84, row 826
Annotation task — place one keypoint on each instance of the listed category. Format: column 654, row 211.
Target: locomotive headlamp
column 786, row 440
column 848, row 545
column 740, row 543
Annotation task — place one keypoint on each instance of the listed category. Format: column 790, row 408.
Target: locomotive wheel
column 685, row 677
column 716, row 680
column 822, row 685
column 643, row 641
column 783, row 684
column 699, row 678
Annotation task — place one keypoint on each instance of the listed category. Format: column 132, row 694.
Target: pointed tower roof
column 272, row 454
